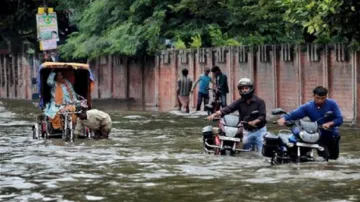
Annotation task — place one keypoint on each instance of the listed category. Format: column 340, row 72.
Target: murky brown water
column 159, row 157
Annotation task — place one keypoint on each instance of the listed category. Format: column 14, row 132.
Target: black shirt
column 245, row 109
column 221, row 82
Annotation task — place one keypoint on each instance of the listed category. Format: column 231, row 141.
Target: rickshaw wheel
column 48, row 128
column 66, row 134
column 35, row 130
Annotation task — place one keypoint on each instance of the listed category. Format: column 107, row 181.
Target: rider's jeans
column 255, row 139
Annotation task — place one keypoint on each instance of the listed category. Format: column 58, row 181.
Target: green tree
column 101, row 27
column 137, row 27
column 18, row 22
column 327, row 20
column 141, row 26
column 261, row 22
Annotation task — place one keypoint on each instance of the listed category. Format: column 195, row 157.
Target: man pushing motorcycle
column 245, row 105
column 316, row 109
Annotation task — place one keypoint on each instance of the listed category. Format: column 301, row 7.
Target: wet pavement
column 158, row 157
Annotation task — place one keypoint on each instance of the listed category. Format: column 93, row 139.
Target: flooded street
column 159, row 157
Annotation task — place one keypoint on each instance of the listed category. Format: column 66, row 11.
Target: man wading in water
column 183, row 89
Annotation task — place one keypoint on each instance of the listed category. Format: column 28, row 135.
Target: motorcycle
column 296, row 144
column 226, row 139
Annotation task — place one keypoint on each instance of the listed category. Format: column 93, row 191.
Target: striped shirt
column 184, row 85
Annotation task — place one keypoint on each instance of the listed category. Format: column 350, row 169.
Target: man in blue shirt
column 203, row 93
column 315, row 110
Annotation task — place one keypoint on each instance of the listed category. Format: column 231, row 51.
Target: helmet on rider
column 246, row 88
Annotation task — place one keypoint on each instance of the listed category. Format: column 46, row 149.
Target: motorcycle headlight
column 309, row 137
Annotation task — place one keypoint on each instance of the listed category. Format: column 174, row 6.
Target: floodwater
column 158, row 157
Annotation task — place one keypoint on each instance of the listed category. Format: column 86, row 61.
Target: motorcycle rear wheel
column 228, row 152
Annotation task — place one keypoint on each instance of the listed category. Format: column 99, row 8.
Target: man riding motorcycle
column 245, row 105
column 316, row 109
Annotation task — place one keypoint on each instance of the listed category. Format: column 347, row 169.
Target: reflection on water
column 158, row 157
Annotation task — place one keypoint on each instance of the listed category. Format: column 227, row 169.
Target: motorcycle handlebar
column 214, row 119
column 328, row 129
column 69, row 112
column 65, row 104
column 291, row 123
column 68, row 103
column 287, row 123
column 247, row 123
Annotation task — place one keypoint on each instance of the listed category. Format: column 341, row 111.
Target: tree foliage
column 143, row 26
column 18, row 22
column 16, row 19
column 327, row 20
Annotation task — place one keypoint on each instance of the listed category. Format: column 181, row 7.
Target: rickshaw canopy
column 64, row 65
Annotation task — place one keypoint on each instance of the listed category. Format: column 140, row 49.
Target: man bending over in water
column 96, row 120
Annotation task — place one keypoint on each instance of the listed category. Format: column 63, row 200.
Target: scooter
column 226, row 139
column 296, row 144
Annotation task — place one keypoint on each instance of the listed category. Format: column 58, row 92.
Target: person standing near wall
column 203, row 94
column 221, row 84
column 183, row 89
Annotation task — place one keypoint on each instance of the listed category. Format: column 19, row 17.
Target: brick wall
column 167, row 81
column 149, row 82
column 264, row 79
column 311, row 76
column 340, row 83
column 288, row 88
column 284, row 75
column 119, row 76
column 16, row 72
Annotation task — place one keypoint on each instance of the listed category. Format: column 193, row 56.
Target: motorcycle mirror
column 329, row 114
column 278, row 111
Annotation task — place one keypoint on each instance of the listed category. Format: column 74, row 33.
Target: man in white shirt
column 96, row 120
